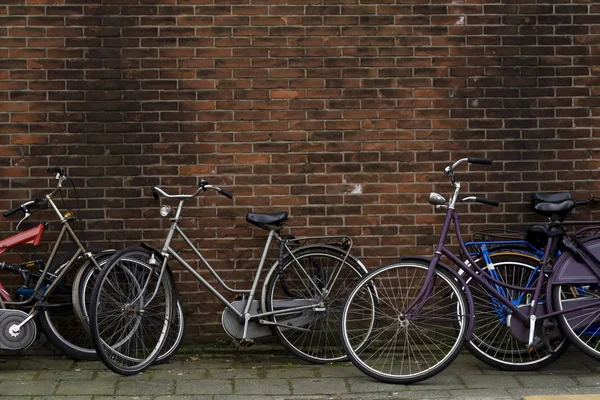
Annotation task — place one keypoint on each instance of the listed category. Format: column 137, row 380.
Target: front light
column 165, row 211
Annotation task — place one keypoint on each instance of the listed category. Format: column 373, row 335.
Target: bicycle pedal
column 246, row 342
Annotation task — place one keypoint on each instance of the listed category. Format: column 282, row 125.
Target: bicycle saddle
column 556, row 206
column 263, row 220
column 549, row 197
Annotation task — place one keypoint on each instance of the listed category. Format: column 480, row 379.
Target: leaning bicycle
column 425, row 309
column 46, row 295
column 134, row 295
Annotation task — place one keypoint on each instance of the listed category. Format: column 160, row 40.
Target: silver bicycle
column 134, row 297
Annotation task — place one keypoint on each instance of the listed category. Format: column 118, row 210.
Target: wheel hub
column 14, row 330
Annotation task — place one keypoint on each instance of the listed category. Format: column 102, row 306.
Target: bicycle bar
column 156, row 190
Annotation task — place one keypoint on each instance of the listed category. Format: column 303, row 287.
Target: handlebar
column 24, row 207
column 57, row 170
column 449, row 170
column 202, row 187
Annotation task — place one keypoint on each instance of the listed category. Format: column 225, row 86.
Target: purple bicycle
column 425, row 311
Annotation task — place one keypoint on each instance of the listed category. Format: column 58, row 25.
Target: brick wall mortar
column 341, row 112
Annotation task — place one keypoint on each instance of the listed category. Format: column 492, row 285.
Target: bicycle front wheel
column 307, row 294
column 409, row 343
column 131, row 311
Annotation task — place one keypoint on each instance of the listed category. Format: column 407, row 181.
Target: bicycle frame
column 244, row 316
column 40, row 291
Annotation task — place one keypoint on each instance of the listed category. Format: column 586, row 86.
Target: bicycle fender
column 159, row 256
column 461, row 282
column 569, row 269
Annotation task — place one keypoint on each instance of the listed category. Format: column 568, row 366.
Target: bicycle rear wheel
column 407, row 345
column 317, row 276
column 492, row 341
column 58, row 319
column 132, row 309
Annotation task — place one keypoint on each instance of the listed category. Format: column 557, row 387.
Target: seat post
column 272, row 234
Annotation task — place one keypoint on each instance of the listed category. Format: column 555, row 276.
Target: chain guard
column 21, row 339
column 235, row 328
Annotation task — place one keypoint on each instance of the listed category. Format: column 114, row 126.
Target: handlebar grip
column 489, row 202
column 477, row 160
column 53, row 170
column 154, row 194
column 11, row 212
column 226, row 193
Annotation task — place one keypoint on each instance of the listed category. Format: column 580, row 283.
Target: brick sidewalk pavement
column 262, row 375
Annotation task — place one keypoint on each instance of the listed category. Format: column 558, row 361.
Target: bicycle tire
column 127, row 329
column 84, row 284
column 398, row 331
column 175, row 336
column 492, row 340
column 319, row 323
column 58, row 320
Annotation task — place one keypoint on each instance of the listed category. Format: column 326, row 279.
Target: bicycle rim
column 312, row 334
column 128, row 328
column 405, row 346
column 583, row 326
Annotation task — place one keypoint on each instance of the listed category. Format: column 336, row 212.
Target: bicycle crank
column 13, row 337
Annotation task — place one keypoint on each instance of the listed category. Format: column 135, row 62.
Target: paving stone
column 358, row 385
column 442, row 381
column 15, row 397
column 27, row 388
column 90, row 366
column 109, row 375
column 181, row 373
column 120, row 398
column 146, row 387
column 584, row 390
column 67, row 375
column 537, row 391
column 18, row 375
column 484, row 382
column 262, row 386
column 476, row 394
column 341, row 371
column 204, row 386
column 239, row 372
column 318, row 386
column 52, row 364
column 292, row 373
column 588, row 380
column 423, row 394
column 9, row 364
column 63, row 398
column 546, row 381
column 89, row 387
column 176, row 397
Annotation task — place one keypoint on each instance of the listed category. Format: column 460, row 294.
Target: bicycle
column 132, row 300
column 429, row 308
column 49, row 291
column 512, row 257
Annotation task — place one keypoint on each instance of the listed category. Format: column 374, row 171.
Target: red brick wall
column 341, row 112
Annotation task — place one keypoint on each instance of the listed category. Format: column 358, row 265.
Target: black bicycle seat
column 264, row 220
column 558, row 197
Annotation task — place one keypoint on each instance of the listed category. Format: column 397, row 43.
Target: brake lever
column 27, row 215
